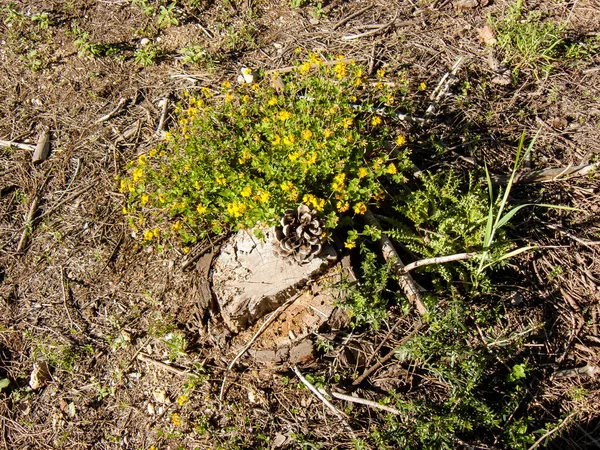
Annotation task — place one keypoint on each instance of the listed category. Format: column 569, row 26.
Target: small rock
column 463, row 5
column 487, row 35
column 160, row 395
column 144, row 42
column 302, row 353
column 279, row 440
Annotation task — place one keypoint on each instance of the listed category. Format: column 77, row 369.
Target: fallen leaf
column 487, row 35
column 40, row 375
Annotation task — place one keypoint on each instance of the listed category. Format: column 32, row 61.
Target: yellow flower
column 392, row 169
column 286, row 186
column 293, row 195
column 228, row 97
column 206, row 92
column 294, row 156
column 400, row 140
column 186, row 250
column 362, row 172
column 176, row 226
column 152, row 153
column 380, row 73
column 246, row 192
column 246, row 70
column 148, row 235
column 380, row 195
column 273, row 101
column 327, row 133
column 144, row 199
column 343, row 206
column 289, row 139
column 156, row 232
column 182, row 399
column 191, row 112
column 376, row 120
column 236, row 209
column 201, row 208
column 137, row 174
column 315, row 59
column 221, row 180
column 123, row 185
column 142, row 159
column 176, row 419
column 284, row 115
column 255, row 87
column 360, row 208
column 347, row 122
column 350, row 244
column 306, row 134
column 305, row 67
column 340, row 70
column 226, row 84
column 276, row 140
column 264, row 197
column 422, row 86
column 312, row 158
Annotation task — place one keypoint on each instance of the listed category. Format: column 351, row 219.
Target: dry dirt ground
column 77, row 292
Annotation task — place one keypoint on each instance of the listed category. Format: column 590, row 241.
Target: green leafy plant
column 167, row 16
column 526, row 39
column 146, row 55
column 42, row 20
column 243, row 155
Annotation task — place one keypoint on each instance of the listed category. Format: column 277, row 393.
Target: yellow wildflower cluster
column 315, row 202
column 338, row 184
column 236, row 209
column 340, row 69
column 360, row 208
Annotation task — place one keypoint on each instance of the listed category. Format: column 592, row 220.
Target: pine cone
column 299, row 235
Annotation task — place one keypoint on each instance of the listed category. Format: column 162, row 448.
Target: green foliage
column 243, row 155
column 146, row 55
column 526, row 39
column 471, row 399
column 42, row 20
column 86, row 48
column 443, row 217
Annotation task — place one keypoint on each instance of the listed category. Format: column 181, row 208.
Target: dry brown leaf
column 487, row 35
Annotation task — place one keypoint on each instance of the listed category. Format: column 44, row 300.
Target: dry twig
column 438, row 260
column 352, row 16
column 443, row 86
column 18, row 145
column 364, row 401
column 389, row 356
column 320, row 396
column 267, row 322
column 410, row 287
column 162, row 365
column 114, row 112
column 378, row 30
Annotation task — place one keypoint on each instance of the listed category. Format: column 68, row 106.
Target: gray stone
column 250, row 279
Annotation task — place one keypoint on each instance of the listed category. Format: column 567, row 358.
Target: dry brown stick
column 552, row 431
column 387, row 357
column 364, row 401
column 114, row 112
column 320, row 396
column 35, row 203
column 42, row 149
column 267, row 322
column 438, row 260
column 162, row 365
column 18, row 145
column 381, row 29
column 164, row 103
column 352, row 16
column 384, row 340
column 410, row 287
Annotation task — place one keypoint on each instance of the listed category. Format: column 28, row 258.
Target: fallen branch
column 363, row 401
column 320, row 396
column 114, row 112
column 443, row 86
column 378, row 30
column 537, row 443
column 18, row 145
column 162, row 365
column 42, row 149
column 352, row 16
column 35, row 203
column 267, row 322
column 438, row 260
column 387, row 357
column 410, row 287
column 164, row 104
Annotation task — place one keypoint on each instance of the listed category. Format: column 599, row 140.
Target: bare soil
column 82, row 295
